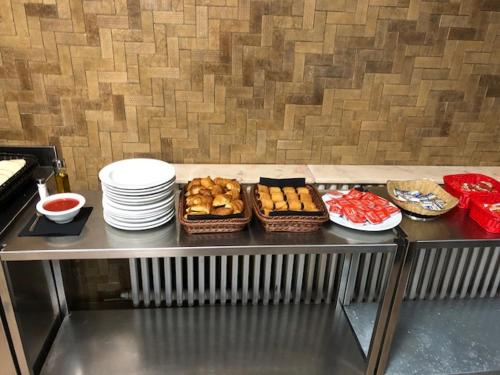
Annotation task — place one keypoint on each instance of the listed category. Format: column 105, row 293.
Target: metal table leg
column 12, row 323
column 384, row 313
column 392, row 320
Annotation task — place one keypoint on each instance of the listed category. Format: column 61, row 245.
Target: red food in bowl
column 62, row 204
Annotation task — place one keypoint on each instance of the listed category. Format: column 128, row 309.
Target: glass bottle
column 62, row 179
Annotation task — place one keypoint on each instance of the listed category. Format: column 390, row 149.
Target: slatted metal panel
column 454, row 273
column 366, row 275
column 239, row 279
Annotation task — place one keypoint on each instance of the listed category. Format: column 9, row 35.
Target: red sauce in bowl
column 61, row 204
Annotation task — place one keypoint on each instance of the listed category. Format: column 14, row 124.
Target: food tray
column 453, row 182
column 222, row 225
column 424, row 186
column 18, row 180
column 482, row 215
column 292, row 223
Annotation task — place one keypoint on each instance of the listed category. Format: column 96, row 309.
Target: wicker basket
column 296, row 223
column 425, row 187
column 214, row 225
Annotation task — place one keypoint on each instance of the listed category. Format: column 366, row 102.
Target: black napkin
column 47, row 228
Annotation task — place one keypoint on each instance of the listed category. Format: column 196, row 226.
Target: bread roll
column 222, row 211
column 276, row 197
column 289, row 189
column 274, row 189
column 267, row 203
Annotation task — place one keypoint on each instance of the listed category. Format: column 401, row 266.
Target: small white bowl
column 61, row 217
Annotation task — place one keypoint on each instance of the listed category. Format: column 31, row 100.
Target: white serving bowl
column 61, row 217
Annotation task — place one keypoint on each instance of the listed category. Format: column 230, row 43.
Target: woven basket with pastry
column 213, row 206
column 288, row 205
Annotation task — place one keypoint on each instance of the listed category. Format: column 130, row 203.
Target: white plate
column 137, row 214
column 137, row 173
column 390, row 223
column 146, row 207
column 138, row 192
column 144, row 226
column 135, row 220
column 138, row 201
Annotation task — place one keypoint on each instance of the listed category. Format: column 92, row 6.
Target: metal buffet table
column 284, row 295
column 446, row 310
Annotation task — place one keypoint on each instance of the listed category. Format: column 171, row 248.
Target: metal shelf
column 289, row 339
column 439, row 337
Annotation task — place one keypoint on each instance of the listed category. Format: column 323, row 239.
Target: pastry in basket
column 287, row 198
column 207, row 196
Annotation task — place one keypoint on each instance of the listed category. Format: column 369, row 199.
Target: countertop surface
column 99, row 240
column 455, row 226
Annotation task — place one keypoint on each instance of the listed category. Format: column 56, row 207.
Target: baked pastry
column 264, row 196
column 220, row 181
column 281, row 206
column 220, row 196
column 222, row 211
column 262, row 188
column 294, row 205
column 207, row 182
column 302, row 190
column 276, row 197
column 236, row 205
column 267, row 204
column 286, row 198
column 310, row 206
column 233, row 185
column 221, row 200
column 234, row 194
column 292, row 196
column 305, row 197
column 200, row 209
column 216, row 189
column 195, row 200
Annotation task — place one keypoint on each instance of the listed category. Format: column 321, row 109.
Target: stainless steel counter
column 99, row 240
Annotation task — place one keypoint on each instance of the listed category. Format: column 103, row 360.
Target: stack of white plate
column 138, row 194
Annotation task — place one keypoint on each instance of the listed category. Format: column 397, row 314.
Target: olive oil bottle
column 61, row 175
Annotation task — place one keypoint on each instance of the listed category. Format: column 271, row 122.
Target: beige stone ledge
column 378, row 174
column 341, row 174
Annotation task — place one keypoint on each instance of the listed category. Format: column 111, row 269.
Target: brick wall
column 240, row 81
